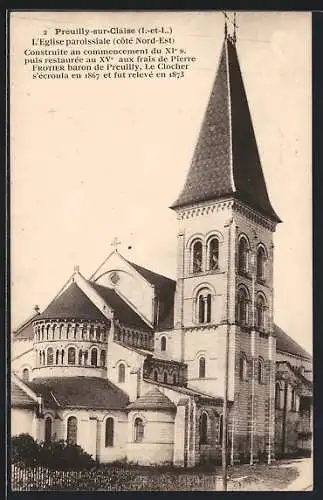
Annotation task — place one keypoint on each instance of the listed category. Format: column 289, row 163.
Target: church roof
column 124, row 312
column 72, row 303
column 25, row 330
column 226, row 160
column 286, row 344
column 19, row 398
column 79, row 392
column 152, row 400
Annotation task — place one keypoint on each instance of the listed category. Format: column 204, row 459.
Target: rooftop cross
column 233, row 37
column 115, row 243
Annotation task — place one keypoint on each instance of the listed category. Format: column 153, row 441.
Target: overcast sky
column 94, row 160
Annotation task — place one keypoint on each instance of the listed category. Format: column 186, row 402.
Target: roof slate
column 79, row 392
column 152, row 400
column 226, row 160
column 286, row 344
column 72, row 303
column 20, row 399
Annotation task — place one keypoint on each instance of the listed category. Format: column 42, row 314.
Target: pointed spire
column 226, row 160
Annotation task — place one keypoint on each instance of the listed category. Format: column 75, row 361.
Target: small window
column 214, row 254
column 72, row 430
column 71, row 356
column 204, row 306
column 261, row 262
column 94, row 357
column 203, row 428
column 48, row 430
column 174, row 379
column 63, row 354
column 260, row 371
column 197, row 257
column 155, row 375
column 50, row 356
column 243, row 367
column 278, row 397
column 220, row 428
column 163, row 344
column 109, row 432
column 139, row 430
column 165, row 378
column 121, row 373
column 57, row 356
column 25, row 375
column 202, row 367
column 243, row 256
column 293, row 400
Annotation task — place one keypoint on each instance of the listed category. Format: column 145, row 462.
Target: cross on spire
column 115, row 243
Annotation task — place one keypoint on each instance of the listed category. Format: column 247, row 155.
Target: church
column 132, row 365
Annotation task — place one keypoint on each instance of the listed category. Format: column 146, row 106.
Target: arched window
column 220, row 428
column 278, row 396
column 121, row 373
column 48, row 430
column 202, row 367
column 40, row 357
column 155, row 375
column 261, row 262
column 86, row 356
column 204, row 301
column 25, row 375
column 80, row 356
column 57, row 356
column 243, row 256
column 109, row 432
column 165, row 378
column 260, row 312
column 174, row 379
column 72, row 430
column 102, row 358
column 213, row 248
column 139, row 430
column 243, row 367
column 71, row 357
column 203, row 428
column 163, row 344
column 293, row 400
column 91, row 332
column 242, row 307
column 94, row 357
column 261, row 370
column 50, row 356
column 63, row 353
column 197, row 257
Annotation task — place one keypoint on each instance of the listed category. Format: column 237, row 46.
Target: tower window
column 202, row 367
column 121, row 373
column 243, row 367
column 50, row 356
column 242, row 307
column 139, row 430
column 203, row 428
column 278, row 396
column 72, row 430
column 25, row 375
column 155, row 375
column 243, row 256
column 48, row 430
column 174, row 379
column 213, row 254
column 165, row 378
column 261, row 371
column 204, row 302
column 261, row 262
column 109, row 432
column 197, row 257
column 260, row 312
column 71, row 356
column 163, row 343
column 102, row 358
column 94, row 357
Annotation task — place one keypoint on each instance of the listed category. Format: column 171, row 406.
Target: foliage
column 24, row 449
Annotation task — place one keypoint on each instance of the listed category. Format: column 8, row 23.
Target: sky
column 91, row 160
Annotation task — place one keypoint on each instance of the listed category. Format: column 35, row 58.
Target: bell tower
column 224, row 296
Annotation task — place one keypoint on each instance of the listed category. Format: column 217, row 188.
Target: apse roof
column 152, row 400
column 226, row 160
column 286, row 344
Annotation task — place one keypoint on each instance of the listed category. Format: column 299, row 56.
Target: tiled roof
column 72, row 303
column 286, row 344
column 124, row 312
column 25, row 330
column 19, row 398
column 79, row 392
column 165, row 291
column 152, row 400
column 226, row 159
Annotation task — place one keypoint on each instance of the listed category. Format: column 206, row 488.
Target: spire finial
column 225, row 25
column 115, row 243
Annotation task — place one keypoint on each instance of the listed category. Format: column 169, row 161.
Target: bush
column 24, row 450
column 61, row 455
column 57, row 455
